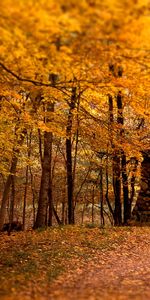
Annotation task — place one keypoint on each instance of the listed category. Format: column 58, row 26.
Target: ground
column 70, row 263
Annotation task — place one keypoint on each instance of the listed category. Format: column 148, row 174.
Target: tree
column 39, row 40
column 141, row 211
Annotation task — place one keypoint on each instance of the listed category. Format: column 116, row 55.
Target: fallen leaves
column 75, row 262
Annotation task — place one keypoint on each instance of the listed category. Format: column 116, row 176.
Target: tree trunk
column 45, row 194
column 12, row 172
column 33, row 195
column 141, row 211
column 41, row 218
column 69, row 158
column 93, row 200
column 117, row 214
column 12, row 203
column 102, row 221
column 50, row 191
column 25, row 198
column 117, row 189
column 126, row 200
column 29, row 138
column 107, row 191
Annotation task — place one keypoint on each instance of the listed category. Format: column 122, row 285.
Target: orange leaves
column 106, row 259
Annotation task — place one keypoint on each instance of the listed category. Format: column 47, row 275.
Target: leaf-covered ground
column 70, row 263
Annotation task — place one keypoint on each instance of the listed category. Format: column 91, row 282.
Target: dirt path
column 123, row 273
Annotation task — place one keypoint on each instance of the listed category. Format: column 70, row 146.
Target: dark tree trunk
column 102, row 221
column 117, row 214
column 93, row 200
column 41, row 217
column 69, row 158
column 126, row 200
column 45, row 194
column 12, row 203
column 141, row 211
column 33, row 195
column 25, row 198
column 57, row 217
column 29, row 138
column 133, row 177
column 107, row 190
column 50, row 191
column 117, row 189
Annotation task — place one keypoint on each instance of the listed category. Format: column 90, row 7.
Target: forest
column 74, row 111
column 74, row 120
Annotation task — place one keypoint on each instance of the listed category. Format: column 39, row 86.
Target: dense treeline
column 74, row 105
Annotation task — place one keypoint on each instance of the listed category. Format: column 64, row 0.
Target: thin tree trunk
column 56, row 216
column 69, row 158
column 93, row 200
column 40, row 146
column 116, row 168
column 33, row 196
column 107, row 190
column 12, row 203
column 117, row 188
column 126, row 200
column 133, row 178
column 29, row 139
column 50, row 190
column 102, row 221
column 25, row 198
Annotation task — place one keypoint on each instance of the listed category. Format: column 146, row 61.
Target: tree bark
column 117, row 214
column 69, row 158
column 117, row 189
column 126, row 200
column 141, row 211
column 102, row 221
column 12, row 203
column 45, row 193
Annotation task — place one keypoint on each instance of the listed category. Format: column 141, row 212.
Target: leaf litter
column 72, row 262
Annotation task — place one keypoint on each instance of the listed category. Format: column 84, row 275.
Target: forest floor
column 70, row 263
